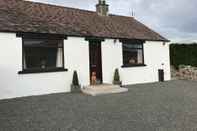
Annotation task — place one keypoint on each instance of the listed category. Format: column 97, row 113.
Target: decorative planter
column 75, row 88
column 117, row 83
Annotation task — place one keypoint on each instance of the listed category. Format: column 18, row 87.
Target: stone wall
column 184, row 73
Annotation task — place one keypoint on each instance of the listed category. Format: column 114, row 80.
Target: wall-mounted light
column 164, row 43
column 162, row 65
column 115, row 40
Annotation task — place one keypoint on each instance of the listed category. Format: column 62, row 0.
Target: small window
column 133, row 54
column 42, row 54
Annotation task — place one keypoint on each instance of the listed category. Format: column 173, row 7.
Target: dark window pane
column 131, row 46
column 42, row 43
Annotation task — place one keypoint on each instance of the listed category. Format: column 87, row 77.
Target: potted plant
column 116, row 80
column 75, row 86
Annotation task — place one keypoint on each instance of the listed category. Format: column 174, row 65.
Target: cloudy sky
column 174, row 19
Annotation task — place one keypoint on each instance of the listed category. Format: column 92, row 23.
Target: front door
column 95, row 61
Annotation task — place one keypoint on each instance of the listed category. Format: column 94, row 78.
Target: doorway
column 95, row 60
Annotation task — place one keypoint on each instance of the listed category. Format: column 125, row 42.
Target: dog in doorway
column 93, row 78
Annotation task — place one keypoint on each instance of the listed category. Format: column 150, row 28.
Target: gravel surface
column 168, row 106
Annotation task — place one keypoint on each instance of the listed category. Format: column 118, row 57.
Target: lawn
column 168, row 106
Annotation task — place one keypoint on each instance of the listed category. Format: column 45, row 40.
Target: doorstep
column 96, row 90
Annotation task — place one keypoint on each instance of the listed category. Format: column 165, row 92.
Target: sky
column 174, row 19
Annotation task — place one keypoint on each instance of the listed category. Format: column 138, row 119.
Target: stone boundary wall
column 184, row 73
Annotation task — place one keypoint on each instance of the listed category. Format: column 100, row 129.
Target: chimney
column 102, row 8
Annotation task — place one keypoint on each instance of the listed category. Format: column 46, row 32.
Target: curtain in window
column 140, row 57
column 24, row 61
column 59, row 61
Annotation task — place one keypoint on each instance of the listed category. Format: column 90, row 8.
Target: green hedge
column 183, row 54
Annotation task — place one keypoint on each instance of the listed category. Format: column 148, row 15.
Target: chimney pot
column 102, row 8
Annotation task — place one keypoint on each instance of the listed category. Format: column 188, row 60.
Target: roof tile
column 26, row 16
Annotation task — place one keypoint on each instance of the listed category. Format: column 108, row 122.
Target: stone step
column 103, row 90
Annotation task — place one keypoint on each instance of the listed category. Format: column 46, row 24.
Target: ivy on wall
column 183, row 54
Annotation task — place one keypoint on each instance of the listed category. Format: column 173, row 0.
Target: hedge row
column 183, row 54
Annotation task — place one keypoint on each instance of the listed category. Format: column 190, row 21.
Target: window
column 42, row 55
column 133, row 53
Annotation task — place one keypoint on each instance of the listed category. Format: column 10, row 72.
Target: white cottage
column 42, row 44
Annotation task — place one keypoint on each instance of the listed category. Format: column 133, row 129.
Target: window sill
column 42, row 71
column 138, row 65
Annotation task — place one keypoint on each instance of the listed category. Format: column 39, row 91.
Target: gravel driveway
column 168, row 106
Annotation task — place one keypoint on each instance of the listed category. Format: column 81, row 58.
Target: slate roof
column 26, row 16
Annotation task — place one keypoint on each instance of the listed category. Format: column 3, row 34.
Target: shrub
column 75, row 86
column 183, row 54
column 116, row 77
column 75, row 80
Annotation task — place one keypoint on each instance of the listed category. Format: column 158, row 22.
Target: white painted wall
column 155, row 53
column 14, row 85
column 111, row 59
column 76, row 51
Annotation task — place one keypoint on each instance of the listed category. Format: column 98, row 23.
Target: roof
column 26, row 16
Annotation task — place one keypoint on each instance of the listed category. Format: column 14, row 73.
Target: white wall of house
column 76, row 54
column 13, row 84
column 155, row 54
column 111, row 58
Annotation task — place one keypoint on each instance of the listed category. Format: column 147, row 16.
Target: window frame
column 36, row 36
column 137, row 42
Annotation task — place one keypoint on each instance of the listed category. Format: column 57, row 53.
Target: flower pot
column 117, row 83
column 75, row 88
